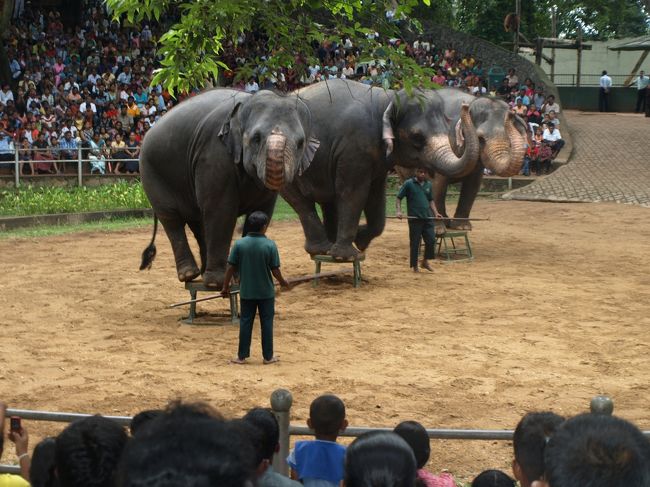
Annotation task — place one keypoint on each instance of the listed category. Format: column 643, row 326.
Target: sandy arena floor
column 554, row 310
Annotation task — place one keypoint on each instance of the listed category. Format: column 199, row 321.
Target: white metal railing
column 83, row 155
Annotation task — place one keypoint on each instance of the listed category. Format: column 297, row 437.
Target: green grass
column 109, row 225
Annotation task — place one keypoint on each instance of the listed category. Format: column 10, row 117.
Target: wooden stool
column 356, row 264
column 453, row 252
column 195, row 286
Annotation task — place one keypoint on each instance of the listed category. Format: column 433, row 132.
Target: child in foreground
column 417, row 438
column 319, row 462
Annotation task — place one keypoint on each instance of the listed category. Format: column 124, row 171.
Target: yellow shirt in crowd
column 8, row 480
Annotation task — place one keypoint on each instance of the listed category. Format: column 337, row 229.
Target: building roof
column 637, row 44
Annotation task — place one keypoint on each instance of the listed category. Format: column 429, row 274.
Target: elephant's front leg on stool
column 218, row 235
column 470, row 186
column 350, row 204
column 316, row 241
column 375, row 211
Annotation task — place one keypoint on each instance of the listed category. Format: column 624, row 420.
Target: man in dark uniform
column 256, row 258
column 421, row 210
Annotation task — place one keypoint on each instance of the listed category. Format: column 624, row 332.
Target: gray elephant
column 214, row 157
column 503, row 140
column 357, row 126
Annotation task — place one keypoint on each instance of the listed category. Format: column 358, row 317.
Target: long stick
column 291, row 280
column 435, row 218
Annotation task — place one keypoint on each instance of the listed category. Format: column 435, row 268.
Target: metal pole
column 579, row 67
column 61, row 417
column 79, row 166
column 554, row 35
column 17, row 167
column 281, row 401
column 602, row 405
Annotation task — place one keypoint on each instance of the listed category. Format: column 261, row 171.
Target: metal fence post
column 602, row 405
column 16, row 167
column 281, row 401
column 79, row 167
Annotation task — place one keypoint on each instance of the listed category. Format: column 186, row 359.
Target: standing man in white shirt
column 603, row 92
column 642, row 81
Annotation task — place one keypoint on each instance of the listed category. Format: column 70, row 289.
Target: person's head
column 550, row 99
column 327, row 416
column 551, row 127
column 552, row 115
column 42, row 468
column 143, row 417
column 87, row 452
column 264, row 420
column 185, row 448
column 416, row 436
column 68, row 134
column 529, row 441
column 257, row 222
column 379, row 459
column 420, row 174
column 599, row 451
column 642, row 72
column 604, row 72
column 493, row 478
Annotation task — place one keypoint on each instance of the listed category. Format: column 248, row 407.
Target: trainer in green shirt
column 421, row 209
column 256, row 259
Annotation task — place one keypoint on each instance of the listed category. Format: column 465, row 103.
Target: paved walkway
column 610, row 162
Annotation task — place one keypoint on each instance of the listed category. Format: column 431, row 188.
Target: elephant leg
column 352, row 199
column 375, row 211
column 469, row 189
column 219, row 227
column 186, row 267
column 440, row 185
column 330, row 220
column 316, row 241
column 197, row 230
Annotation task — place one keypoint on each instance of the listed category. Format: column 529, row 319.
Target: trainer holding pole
column 256, row 258
column 421, row 213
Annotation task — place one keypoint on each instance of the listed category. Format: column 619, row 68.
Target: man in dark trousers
column 421, row 210
column 256, row 258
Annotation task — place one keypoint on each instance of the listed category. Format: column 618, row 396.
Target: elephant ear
column 313, row 143
column 308, row 155
column 231, row 134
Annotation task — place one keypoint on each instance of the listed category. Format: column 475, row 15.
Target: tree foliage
column 192, row 47
column 598, row 19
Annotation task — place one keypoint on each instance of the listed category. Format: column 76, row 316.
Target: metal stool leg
column 190, row 318
column 234, row 308
column 314, row 283
column 357, row 273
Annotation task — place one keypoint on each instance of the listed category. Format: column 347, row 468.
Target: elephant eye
column 417, row 139
column 255, row 139
column 301, row 142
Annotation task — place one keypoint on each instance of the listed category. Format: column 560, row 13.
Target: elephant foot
column 318, row 248
column 459, row 225
column 440, row 228
column 364, row 237
column 344, row 252
column 213, row 279
column 188, row 273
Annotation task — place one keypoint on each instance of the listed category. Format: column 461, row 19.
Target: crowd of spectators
column 89, row 87
column 194, row 445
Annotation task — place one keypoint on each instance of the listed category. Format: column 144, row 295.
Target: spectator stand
column 281, row 401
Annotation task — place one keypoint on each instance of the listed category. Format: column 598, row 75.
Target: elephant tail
column 149, row 254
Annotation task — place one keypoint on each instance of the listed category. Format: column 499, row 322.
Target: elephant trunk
column 275, row 174
column 505, row 155
column 440, row 150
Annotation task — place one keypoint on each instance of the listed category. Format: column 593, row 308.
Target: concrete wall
column 586, row 98
column 594, row 61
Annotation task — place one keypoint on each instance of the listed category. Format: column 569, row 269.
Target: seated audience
column 264, row 420
column 416, row 436
column 87, row 452
column 188, row 446
column 319, row 462
column 21, row 439
column 493, row 478
column 597, row 451
column 529, row 442
column 380, row 459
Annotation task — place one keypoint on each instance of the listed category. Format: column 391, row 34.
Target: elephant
column 214, row 157
column 363, row 131
column 503, row 140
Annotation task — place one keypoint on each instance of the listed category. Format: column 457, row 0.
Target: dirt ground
column 553, row 310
